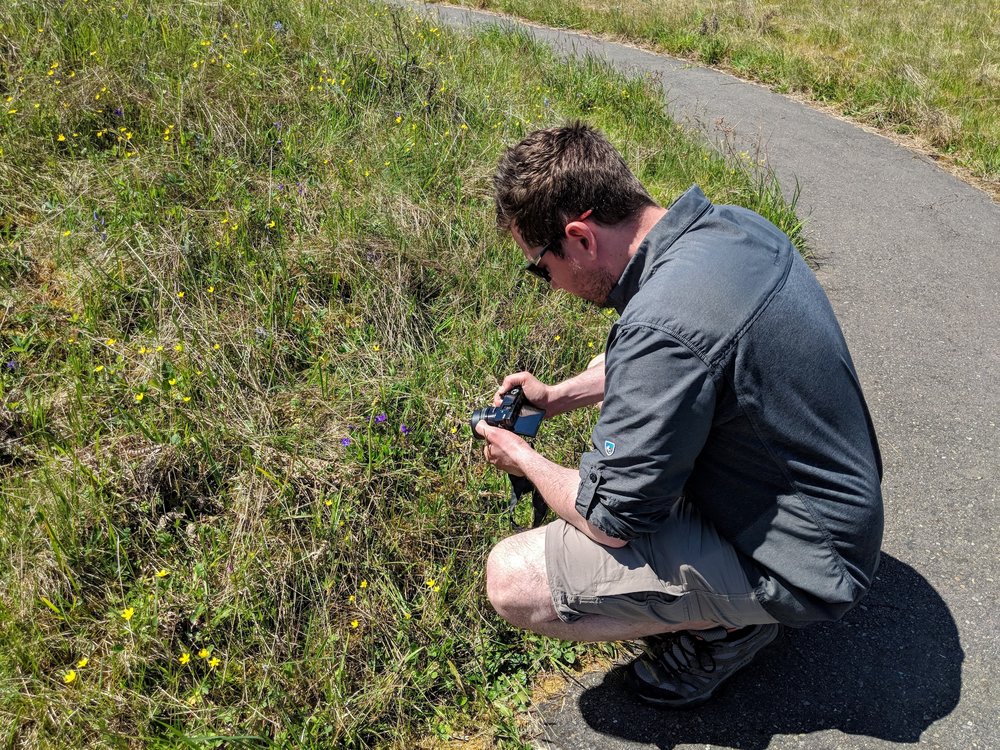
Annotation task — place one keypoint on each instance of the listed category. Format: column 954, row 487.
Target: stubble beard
column 596, row 287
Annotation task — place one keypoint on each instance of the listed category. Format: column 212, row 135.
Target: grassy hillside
column 250, row 290
column 930, row 71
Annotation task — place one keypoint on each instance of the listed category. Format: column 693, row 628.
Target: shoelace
column 683, row 652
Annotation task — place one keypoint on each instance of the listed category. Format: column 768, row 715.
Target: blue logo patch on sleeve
column 609, row 447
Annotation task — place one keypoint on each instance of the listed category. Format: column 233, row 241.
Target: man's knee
column 504, row 574
column 515, row 579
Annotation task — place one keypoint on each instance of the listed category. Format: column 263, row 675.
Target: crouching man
column 733, row 483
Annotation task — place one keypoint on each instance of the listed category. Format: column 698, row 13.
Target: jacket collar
column 655, row 246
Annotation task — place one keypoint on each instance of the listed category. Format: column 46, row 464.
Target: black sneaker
column 684, row 669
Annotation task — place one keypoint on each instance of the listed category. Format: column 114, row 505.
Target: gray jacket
column 728, row 381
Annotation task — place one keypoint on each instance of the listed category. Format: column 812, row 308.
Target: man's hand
column 504, row 449
column 534, row 390
column 584, row 389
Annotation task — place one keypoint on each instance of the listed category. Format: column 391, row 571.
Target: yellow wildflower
column 69, row 676
column 354, row 623
column 82, row 663
column 162, row 573
column 214, row 662
column 180, row 295
column 139, row 397
column 178, row 347
column 184, row 658
column 204, row 653
column 127, row 613
column 364, row 584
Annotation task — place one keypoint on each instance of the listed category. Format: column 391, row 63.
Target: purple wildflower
column 119, row 112
column 345, row 441
column 278, row 26
column 99, row 226
column 12, row 365
column 380, row 418
column 404, row 429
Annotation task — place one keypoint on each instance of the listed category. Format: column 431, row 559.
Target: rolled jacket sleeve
column 659, row 400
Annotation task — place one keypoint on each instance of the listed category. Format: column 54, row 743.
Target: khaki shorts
column 685, row 572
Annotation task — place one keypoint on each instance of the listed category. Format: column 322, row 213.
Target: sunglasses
column 541, row 272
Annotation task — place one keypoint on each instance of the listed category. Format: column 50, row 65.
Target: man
column 733, row 486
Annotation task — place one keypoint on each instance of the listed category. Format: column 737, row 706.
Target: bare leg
column 518, row 589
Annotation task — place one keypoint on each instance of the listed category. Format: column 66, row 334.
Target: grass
column 250, row 291
column 926, row 71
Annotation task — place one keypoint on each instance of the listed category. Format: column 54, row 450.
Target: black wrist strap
column 520, row 486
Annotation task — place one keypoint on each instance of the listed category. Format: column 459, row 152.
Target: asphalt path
column 908, row 255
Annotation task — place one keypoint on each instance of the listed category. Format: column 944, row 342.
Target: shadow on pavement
column 888, row 670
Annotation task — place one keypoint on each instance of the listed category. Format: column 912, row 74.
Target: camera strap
column 519, row 486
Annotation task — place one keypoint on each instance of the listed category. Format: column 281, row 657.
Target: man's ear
column 582, row 236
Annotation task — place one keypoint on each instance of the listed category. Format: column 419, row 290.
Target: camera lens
column 477, row 416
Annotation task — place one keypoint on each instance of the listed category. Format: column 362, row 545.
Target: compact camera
column 522, row 417
column 515, row 413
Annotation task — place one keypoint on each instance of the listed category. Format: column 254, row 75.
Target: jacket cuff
column 588, row 501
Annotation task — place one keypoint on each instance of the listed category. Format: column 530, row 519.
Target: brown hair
column 554, row 175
